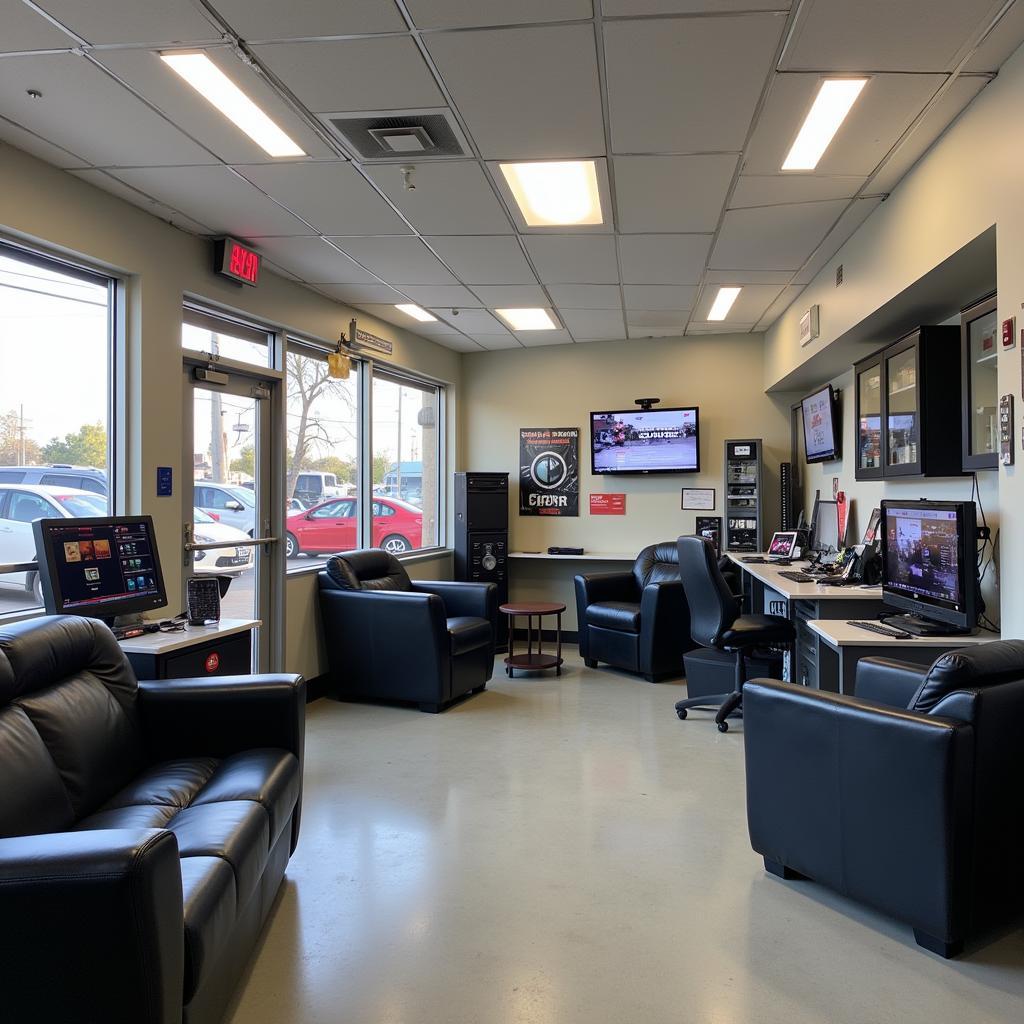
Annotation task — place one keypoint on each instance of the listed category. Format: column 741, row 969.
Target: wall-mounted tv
column 645, row 441
column 822, row 425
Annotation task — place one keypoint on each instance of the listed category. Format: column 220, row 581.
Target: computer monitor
column 825, row 527
column 929, row 565
column 100, row 568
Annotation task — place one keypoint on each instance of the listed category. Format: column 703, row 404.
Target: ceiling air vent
column 398, row 135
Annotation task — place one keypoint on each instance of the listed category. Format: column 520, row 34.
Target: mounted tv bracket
column 646, row 403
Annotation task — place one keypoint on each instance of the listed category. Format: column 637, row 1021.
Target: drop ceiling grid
column 421, row 23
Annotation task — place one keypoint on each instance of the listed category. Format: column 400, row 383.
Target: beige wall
column 161, row 265
column 560, row 385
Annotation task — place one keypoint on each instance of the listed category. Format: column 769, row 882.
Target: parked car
column 312, row 488
column 293, row 505
column 232, row 506
column 331, row 526
column 20, row 506
column 224, row 561
column 59, row 474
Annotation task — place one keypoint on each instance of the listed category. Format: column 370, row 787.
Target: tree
column 381, row 465
column 86, row 447
column 344, row 471
column 246, row 461
column 15, row 449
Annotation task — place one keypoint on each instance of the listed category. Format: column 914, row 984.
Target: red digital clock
column 237, row 261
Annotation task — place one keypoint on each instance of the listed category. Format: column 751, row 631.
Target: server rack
column 481, row 536
column 744, row 496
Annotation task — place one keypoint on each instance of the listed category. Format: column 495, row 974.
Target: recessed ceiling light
column 827, row 113
column 723, row 303
column 555, row 192
column 212, row 84
column 528, row 319
column 411, row 309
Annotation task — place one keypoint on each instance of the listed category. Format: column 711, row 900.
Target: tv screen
column 655, row 441
column 922, row 554
column 821, row 437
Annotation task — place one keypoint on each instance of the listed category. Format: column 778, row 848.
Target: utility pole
column 21, row 431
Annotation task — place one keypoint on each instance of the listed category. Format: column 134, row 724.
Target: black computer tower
column 481, row 535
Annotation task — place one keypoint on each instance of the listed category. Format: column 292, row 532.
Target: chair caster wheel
column 723, row 726
column 681, row 712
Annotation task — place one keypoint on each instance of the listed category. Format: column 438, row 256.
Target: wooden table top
column 531, row 608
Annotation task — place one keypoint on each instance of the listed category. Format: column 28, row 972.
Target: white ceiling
column 687, row 105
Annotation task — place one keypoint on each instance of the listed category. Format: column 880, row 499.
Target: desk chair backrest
column 657, row 563
column 713, row 609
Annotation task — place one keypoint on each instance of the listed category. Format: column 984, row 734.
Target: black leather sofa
column 906, row 797
column 390, row 638
column 145, row 828
column 637, row 620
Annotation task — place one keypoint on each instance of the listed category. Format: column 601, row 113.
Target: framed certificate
column 700, row 498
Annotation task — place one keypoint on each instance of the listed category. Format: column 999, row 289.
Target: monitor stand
column 924, row 627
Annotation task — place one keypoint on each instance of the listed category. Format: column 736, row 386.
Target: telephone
column 859, row 565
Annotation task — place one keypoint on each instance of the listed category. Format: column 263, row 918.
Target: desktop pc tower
column 481, row 536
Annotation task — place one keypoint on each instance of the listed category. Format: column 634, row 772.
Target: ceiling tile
column 472, row 321
column 574, row 259
column 938, row 117
column 129, row 21
column 659, row 296
column 254, row 21
column 786, row 298
column 672, row 193
column 884, row 110
column 312, row 259
column 656, row 332
column 586, row 296
column 852, row 218
column 511, row 296
column 460, row 14
column 525, row 93
column 358, row 294
column 716, row 327
column 127, row 134
column 748, row 308
column 451, row 197
column 666, row 319
column 333, row 197
column 457, row 343
column 431, row 295
column 494, row 342
column 879, row 35
column 594, row 324
column 1000, row 42
column 634, row 8
column 771, row 189
column 663, row 259
column 484, row 259
column 275, row 268
column 397, row 259
column 146, row 73
column 22, row 138
column 387, row 73
column 103, row 180
column 538, row 339
column 773, row 237
column 215, row 196
column 688, row 85
column 742, row 277
column 25, row 29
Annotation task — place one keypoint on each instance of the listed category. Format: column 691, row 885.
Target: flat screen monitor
column 651, row 441
column 929, row 561
column 782, row 544
column 825, row 527
column 821, row 425
column 99, row 568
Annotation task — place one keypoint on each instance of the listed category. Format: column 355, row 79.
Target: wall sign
column 549, row 471
column 367, row 340
column 809, row 326
column 608, row 504
column 237, row 261
column 698, row 498
column 164, row 481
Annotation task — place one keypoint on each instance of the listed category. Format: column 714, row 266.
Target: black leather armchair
column 390, row 638
column 636, row 620
column 144, row 829
column 905, row 797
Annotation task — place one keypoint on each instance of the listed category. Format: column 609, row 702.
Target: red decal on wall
column 607, row 504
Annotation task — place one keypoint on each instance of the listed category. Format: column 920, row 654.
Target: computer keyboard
column 797, row 577
column 874, row 627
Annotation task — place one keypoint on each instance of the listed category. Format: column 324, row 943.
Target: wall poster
column 549, row 471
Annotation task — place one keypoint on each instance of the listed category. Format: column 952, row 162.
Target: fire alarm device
column 1006, row 430
column 1009, row 335
column 233, row 259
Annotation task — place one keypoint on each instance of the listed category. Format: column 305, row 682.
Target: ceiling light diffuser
column 213, row 85
column 411, row 309
column 528, row 319
column 555, row 192
column 827, row 113
column 723, row 303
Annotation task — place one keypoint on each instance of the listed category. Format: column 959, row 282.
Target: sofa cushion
column 372, row 569
column 623, row 616
column 210, row 911
column 467, row 633
column 992, row 664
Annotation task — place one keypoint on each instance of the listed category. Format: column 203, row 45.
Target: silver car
column 230, row 505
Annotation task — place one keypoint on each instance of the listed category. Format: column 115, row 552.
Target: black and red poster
column 549, row 471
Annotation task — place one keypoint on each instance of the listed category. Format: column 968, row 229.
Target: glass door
column 868, row 381
column 979, row 341
column 902, row 410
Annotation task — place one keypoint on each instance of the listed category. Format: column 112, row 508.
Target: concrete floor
column 565, row 850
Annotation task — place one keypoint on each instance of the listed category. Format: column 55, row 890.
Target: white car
column 233, row 506
column 228, row 561
column 20, row 506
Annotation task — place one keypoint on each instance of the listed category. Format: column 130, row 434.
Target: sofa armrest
column 874, row 802
column 886, row 681
column 605, row 586
column 664, row 627
column 93, row 927
column 479, row 600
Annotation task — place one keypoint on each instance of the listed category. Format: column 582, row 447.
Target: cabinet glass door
column 902, row 408
column 981, row 390
column 869, row 420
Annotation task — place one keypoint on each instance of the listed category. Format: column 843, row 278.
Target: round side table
column 533, row 659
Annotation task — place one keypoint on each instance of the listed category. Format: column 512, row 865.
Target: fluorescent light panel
column 411, row 309
column 723, row 303
column 555, row 192
column 835, row 98
column 213, row 85
column 528, row 319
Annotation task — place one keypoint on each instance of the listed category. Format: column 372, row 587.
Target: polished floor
column 565, row 851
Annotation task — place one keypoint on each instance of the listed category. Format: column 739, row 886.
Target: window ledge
column 425, row 555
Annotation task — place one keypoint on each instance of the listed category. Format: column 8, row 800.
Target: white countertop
column 587, row 556
column 771, row 576
column 839, row 633
column 164, row 643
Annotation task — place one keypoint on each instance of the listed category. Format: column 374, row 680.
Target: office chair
column 715, row 621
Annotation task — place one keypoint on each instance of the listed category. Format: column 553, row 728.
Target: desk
column 587, row 556
column 222, row 649
column 846, row 645
column 772, row 594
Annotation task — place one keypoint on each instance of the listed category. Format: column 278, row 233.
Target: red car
column 331, row 526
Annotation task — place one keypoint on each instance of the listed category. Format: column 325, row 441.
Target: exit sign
column 237, row 261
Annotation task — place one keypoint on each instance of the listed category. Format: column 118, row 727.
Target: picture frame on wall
column 700, row 499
